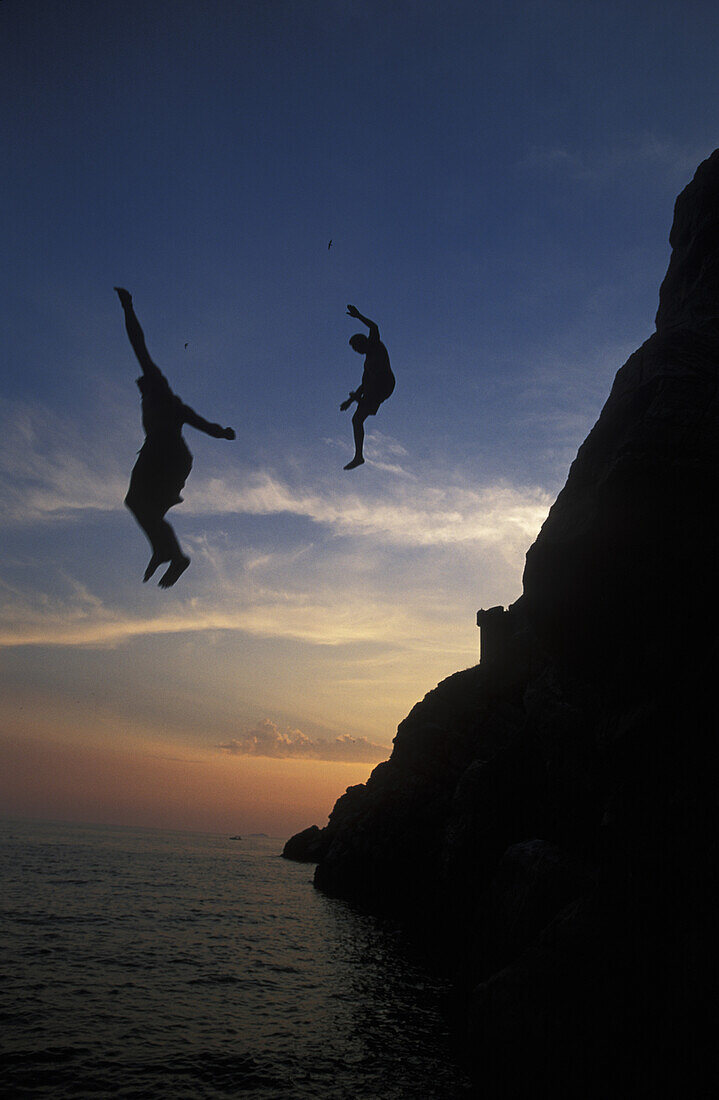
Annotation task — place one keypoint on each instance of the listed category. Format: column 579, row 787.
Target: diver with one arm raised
column 377, row 381
column 164, row 461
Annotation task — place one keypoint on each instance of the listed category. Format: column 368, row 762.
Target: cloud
column 267, row 739
column 389, row 572
column 266, row 597
column 50, row 469
column 64, row 623
column 49, row 472
column 413, row 516
column 391, row 563
column 647, row 150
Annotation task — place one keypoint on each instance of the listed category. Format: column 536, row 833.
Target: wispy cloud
column 390, row 563
column 50, row 469
column 420, row 515
column 47, row 472
column 647, row 150
column 329, row 592
column 267, row 739
column 41, row 619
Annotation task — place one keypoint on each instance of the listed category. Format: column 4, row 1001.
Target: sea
column 142, row 963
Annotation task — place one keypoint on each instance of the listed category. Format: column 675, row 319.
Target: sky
column 497, row 181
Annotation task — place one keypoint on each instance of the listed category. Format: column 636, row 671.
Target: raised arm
column 135, row 333
column 196, row 421
column 373, row 330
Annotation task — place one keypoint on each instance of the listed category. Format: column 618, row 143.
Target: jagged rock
column 593, row 725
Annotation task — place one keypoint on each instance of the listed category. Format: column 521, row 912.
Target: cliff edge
column 548, row 819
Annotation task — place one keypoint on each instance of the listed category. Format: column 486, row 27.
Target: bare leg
column 166, row 548
column 358, row 430
column 163, row 541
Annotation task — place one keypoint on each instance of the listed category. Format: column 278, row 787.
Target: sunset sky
column 497, row 180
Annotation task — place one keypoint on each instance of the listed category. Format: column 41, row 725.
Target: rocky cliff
column 548, row 819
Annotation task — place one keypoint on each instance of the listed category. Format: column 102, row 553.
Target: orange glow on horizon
column 146, row 786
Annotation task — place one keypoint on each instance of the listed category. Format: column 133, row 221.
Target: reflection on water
column 182, row 965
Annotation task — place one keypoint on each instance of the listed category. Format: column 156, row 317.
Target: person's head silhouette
column 359, row 343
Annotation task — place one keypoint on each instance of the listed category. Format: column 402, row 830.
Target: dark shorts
column 371, row 401
column 158, row 478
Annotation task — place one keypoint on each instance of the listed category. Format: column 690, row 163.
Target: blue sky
column 497, row 180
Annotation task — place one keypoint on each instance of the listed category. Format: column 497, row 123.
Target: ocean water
column 142, row 963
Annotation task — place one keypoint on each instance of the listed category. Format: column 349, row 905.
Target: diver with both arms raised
column 164, row 461
column 377, row 381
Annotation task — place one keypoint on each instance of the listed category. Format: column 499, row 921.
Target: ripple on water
column 171, row 965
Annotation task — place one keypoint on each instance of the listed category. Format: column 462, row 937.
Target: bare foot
column 155, row 563
column 177, row 568
column 356, row 461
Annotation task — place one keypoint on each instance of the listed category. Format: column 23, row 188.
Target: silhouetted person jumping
column 164, row 461
column 377, row 381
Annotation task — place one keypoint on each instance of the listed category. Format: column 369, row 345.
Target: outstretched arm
column 137, row 336
column 373, row 330
column 196, row 421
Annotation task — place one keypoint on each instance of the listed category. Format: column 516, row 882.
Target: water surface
column 157, row 964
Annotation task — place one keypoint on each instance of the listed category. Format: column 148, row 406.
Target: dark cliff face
column 550, row 817
column 621, row 579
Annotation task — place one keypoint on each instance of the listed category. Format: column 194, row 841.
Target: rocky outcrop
column 549, row 818
column 305, row 847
